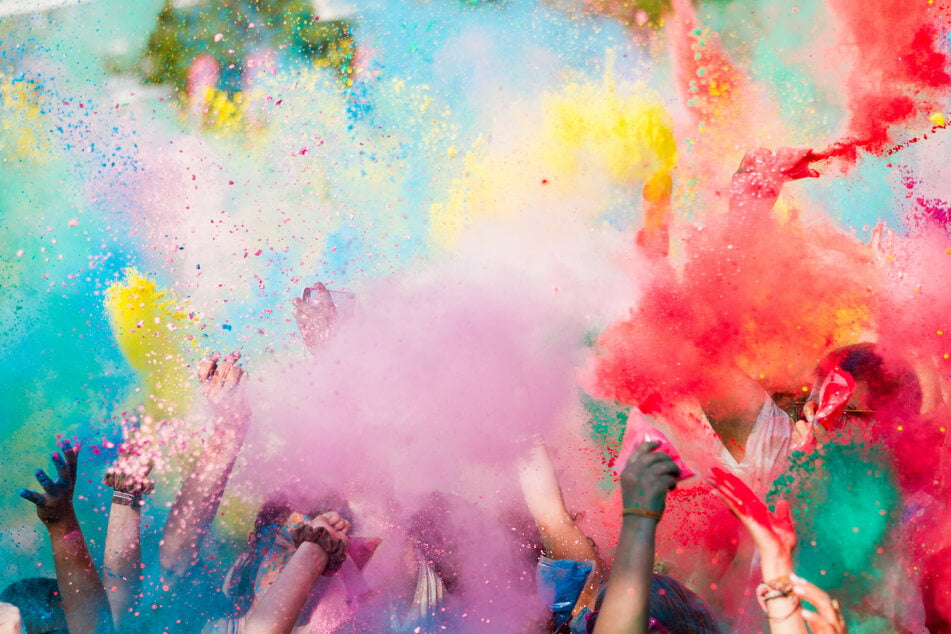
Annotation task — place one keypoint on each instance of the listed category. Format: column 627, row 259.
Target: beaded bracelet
column 780, row 588
column 126, row 499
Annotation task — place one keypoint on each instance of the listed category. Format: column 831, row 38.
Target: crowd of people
column 302, row 567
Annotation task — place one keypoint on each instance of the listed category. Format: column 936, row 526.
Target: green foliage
column 230, row 30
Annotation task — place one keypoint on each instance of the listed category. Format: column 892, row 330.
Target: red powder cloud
column 898, row 73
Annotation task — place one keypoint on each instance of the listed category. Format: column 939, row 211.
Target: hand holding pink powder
column 640, row 431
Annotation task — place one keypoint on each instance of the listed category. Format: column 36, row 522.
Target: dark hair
column 675, row 607
column 893, row 385
column 678, row 609
column 272, row 514
column 39, row 602
column 430, row 532
column 525, row 543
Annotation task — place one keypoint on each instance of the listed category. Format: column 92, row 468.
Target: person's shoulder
column 10, row 621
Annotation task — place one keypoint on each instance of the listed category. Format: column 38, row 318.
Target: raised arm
column 775, row 539
column 562, row 538
column 322, row 547
column 122, row 561
column 195, row 507
column 761, row 176
column 316, row 315
column 84, row 600
column 654, row 236
column 647, row 478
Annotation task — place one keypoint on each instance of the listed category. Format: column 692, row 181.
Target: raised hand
column 222, row 382
column 647, row 478
column 316, row 315
column 130, row 471
column 882, row 244
column 773, row 533
column 805, row 433
column 645, row 481
column 56, row 501
column 828, row 617
column 336, row 522
column 84, row 600
column 329, row 532
column 762, row 174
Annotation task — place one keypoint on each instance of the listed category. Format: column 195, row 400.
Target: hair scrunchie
column 336, row 549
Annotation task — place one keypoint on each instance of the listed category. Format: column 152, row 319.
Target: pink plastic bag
column 639, row 431
column 834, row 395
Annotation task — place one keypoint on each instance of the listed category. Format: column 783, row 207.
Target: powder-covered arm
column 322, row 548
column 128, row 476
column 316, row 315
column 196, row 505
column 775, row 539
column 121, row 562
column 561, row 536
column 647, row 478
column 84, row 600
column 761, row 176
column 654, row 236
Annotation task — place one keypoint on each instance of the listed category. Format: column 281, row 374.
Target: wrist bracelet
column 632, row 510
column 779, row 619
column 780, row 588
column 126, row 499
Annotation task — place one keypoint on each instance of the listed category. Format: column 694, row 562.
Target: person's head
column 526, row 547
column 40, row 604
column 883, row 389
column 673, row 609
column 678, row 609
column 271, row 545
column 429, row 535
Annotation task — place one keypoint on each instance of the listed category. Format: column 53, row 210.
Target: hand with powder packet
column 646, row 479
column 821, row 418
column 649, row 474
column 639, row 431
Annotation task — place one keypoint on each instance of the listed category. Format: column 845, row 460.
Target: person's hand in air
column 882, row 245
column 806, row 432
column 773, row 533
column 130, row 471
column 56, row 501
column 316, row 315
column 827, row 619
column 762, row 174
column 646, row 479
column 329, row 531
column 222, row 382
